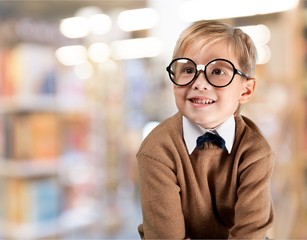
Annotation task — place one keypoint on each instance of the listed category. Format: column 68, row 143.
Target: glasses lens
column 182, row 71
column 219, row 73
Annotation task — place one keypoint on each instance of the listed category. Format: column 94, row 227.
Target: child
column 202, row 187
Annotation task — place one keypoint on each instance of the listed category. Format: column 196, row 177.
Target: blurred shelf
column 69, row 221
column 28, row 168
column 46, row 103
column 51, row 142
column 29, row 230
column 62, row 166
column 80, row 217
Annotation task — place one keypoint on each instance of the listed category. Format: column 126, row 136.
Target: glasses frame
column 203, row 68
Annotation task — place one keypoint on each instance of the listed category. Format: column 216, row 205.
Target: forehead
column 197, row 41
column 204, row 51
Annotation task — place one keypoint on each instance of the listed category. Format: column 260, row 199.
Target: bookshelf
column 46, row 172
column 278, row 109
column 49, row 158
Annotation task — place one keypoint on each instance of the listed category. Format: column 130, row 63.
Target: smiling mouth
column 201, row 101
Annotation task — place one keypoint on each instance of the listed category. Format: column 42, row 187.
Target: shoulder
column 250, row 138
column 166, row 137
column 167, row 128
column 253, row 155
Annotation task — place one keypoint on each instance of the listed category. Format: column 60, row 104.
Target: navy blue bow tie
column 210, row 137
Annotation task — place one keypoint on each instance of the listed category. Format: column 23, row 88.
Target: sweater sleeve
column 161, row 204
column 253, row 209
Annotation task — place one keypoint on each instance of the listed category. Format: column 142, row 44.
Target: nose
column 201, row 82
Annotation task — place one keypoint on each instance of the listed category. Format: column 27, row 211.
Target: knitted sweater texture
column 209, row 193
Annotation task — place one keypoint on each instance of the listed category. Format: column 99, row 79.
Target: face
column 204, row 104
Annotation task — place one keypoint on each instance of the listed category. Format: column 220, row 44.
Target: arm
column 160, row 196
column 253, row 209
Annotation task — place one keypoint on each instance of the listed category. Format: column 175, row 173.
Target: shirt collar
column 191, row 131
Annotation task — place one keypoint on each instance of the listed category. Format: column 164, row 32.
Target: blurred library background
column 83, row 82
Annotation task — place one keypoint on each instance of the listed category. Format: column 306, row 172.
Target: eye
column 217, row 71
column 188, row 70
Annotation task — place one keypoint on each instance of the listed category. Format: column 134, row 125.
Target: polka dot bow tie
column 210, row 137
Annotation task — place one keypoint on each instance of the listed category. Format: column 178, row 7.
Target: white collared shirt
column 191, row 131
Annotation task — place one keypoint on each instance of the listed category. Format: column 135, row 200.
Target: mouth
column 201, row 101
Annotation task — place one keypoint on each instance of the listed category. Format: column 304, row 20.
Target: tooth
column 203, row 101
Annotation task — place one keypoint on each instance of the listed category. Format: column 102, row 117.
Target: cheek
column 236, row 92
column 180, row 96
column 179, row 93
column 231, row 97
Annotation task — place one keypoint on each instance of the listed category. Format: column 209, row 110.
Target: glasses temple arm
column 243, row 74
column 169, row 70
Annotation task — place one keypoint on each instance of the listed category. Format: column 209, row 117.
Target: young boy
column 218, row 185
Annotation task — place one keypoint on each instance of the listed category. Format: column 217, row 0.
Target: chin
column 205, row 123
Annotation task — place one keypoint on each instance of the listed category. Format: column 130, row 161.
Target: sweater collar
column 191, row 131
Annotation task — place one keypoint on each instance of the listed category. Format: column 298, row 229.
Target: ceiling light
column 264, row 54
column 137, row 19
column 100, row 23
column 74, row 27
column 88, row 11
column 136, row 48
column 195, row 10
column 260, row 34
column 272, row 6
column 72, row 55
column 99, row 52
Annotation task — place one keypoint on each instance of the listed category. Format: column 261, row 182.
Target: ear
column 248, row 90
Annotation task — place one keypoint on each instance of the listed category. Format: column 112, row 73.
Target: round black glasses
column 218, row 72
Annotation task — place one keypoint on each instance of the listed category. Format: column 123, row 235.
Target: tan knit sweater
column 210, row 193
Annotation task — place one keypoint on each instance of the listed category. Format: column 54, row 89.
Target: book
column 45, row 200
column 75, row 133
column 3, row 200
column 34, row 135
column 46, row 135
column 21, row 136
column 7, row 87
column 2, row 137
column 17, row 201
column 33, row 201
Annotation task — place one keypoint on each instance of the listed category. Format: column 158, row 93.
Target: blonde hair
column 205, row 32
